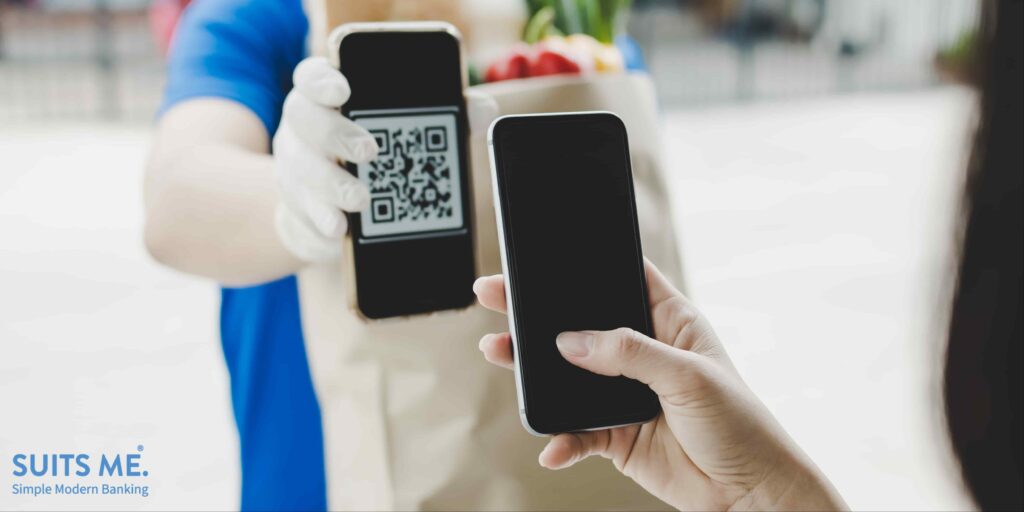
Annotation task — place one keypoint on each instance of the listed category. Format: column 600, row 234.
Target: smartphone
column 570, row 252
column 412, row 248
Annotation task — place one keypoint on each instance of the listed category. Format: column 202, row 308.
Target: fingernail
column 576, row 344
column 476, row 286
column 334, row 95
column 365, row 149
column 540, row 457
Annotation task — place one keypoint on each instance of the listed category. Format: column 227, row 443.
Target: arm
column 210, row 195
column 217, row 204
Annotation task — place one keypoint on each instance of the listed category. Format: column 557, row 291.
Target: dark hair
column 982, row 383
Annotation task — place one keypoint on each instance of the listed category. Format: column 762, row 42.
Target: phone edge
column 509, row 305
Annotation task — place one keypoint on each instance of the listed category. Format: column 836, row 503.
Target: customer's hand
column 714, row 446
column 313, row 136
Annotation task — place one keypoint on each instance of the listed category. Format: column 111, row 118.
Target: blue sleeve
column 241, row 50
column 245, row 51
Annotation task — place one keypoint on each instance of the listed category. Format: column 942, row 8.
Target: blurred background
column 815, row 151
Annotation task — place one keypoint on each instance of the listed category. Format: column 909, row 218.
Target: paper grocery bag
column 324, row 15
column 631, row 96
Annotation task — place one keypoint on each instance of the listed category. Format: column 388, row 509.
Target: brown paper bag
column 631, row 96
column 325, row 15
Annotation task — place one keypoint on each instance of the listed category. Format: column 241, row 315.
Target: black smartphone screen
column 413, row 245
column 574, row 262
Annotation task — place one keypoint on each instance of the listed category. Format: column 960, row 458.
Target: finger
column 490, row 291
column 628, row 353
column 303, row 239
column 564, row 450
column 324, row 180
column 327, row 131
column 678, row 321
column 497, row 349
column 327, row 219
column 317, row 80
column 481, row 110
column 658, row 287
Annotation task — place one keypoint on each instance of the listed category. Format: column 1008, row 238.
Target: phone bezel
column 343, row 30
column 524, row 416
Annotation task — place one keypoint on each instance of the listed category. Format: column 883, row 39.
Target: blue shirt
column 245, row 51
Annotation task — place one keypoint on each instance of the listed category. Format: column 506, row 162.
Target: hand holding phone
column 315, row 192
column 714, row 446
column 603, row 343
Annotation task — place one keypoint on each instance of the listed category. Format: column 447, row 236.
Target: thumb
column 630, row 354
column 481, row 109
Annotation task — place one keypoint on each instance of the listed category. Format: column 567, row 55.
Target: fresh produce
column 600, row 19
column 556, row 55
column 516, row 64
column 591, row 26
column 604, row 57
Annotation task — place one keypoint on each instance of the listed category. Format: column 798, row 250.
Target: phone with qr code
column 411, row 249
column 572, row 259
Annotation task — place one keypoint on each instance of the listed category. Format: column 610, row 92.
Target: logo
column 47, row 474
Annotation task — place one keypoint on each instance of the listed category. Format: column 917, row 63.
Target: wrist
column 795, row 485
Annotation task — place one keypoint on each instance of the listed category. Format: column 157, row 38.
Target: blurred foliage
column 963, row 49
column 601, row 19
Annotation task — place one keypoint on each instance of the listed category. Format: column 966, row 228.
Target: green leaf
column 601, row 19
column 590, row 18
column 568, row 16
column 539, row 25
column 532, row 6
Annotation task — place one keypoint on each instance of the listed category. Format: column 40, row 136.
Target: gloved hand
column 315, row 191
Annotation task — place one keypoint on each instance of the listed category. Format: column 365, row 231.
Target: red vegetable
column 514, row 65
column 551, row 62
column 552, row 56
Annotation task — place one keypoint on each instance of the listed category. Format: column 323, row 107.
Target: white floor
column 100, row 348
column 815, row 234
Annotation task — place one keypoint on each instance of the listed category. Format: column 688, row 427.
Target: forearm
column 210, row 204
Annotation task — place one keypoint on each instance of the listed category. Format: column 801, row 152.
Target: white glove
column 315, row 190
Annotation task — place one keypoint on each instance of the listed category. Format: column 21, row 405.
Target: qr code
column 415, row 181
